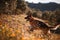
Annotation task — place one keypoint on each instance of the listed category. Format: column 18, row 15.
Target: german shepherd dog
column 36, row 24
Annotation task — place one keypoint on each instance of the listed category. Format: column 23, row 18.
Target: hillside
column 13, row 25
column 45, row 6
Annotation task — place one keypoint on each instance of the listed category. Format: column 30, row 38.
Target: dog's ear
column 29, row 13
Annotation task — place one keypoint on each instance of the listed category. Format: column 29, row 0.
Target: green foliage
column 8, row 6
column 52, row 16
column 21, row 5
column 35, row 14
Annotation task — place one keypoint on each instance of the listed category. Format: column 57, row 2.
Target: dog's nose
column 25, row 17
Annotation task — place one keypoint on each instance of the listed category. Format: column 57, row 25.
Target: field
column 15, row 27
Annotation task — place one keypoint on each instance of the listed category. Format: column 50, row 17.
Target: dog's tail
column 55, row 27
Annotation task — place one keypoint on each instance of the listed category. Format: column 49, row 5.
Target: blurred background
column 13, row 26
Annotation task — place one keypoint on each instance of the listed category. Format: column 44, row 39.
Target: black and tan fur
column 36, row 24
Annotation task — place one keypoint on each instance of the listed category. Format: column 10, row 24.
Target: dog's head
column 28, row 17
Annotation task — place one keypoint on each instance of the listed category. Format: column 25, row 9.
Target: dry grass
column 15, row 27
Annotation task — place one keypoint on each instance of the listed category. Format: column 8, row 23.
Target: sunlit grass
column 15, row 27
